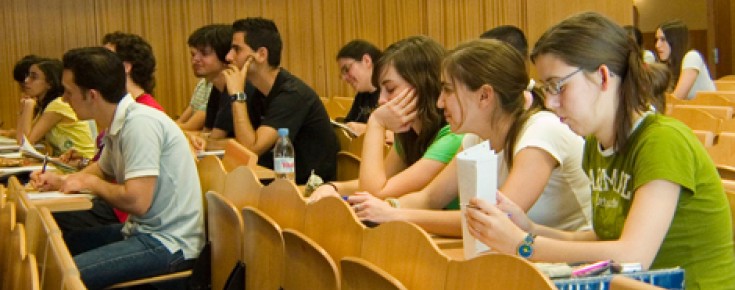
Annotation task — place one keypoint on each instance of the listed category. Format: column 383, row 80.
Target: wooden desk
column 64, row 204
column 60, row 204
column 456, row 254
column 264, row 173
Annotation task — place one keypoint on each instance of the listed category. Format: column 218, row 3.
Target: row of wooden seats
column 725, row 85
column 337, row 107
column 311, row 237
column 17, row 267
column 54, row 267
column 324, row 246
column 46, row 239
column 211, row 172
column 706, row 98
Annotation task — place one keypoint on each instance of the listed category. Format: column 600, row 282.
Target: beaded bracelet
column 394, row 203
column 332, row 185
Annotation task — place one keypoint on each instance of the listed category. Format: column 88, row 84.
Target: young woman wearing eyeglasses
column 485, row 91
column 44, row 115
column 356, row 61
column 656, row 196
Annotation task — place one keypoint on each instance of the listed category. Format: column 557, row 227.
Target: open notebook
column 477, row 176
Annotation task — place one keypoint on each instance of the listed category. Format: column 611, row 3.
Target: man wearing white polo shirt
column 145, row 170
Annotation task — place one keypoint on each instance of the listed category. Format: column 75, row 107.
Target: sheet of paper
column 9, row 147
column 35, row 195
column 13, row 170
column 202, row 154
column 11, row 155
column 30, row 151
column 353, row 134
column 477, row 176
column 7, row 141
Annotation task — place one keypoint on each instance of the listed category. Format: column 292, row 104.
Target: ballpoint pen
column 45, row 162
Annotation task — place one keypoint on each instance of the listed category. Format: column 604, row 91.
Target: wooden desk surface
column 64, row 204
column 264, row 173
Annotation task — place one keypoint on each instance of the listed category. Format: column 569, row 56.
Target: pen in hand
column 45, row 162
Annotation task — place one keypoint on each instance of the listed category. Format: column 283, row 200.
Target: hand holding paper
column 477, row 176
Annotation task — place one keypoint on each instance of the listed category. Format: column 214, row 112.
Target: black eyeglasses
column 555, row 88
column 346, row 69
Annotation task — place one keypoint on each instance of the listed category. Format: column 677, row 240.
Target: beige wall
column 313, row 31
column 654, row 12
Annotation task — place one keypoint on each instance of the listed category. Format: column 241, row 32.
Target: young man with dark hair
column 278, row 100
column 511, row 35
column 208, row 47
column 152, row 182
column 140, row 65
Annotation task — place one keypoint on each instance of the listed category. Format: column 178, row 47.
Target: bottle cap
column 282, row 132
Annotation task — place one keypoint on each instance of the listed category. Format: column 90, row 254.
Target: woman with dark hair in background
column 44, row 115
column 689, row 72
column 410, row 84
column 357, row 60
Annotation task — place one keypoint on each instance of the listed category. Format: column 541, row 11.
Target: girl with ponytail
column 486, row 91
column 656, row 196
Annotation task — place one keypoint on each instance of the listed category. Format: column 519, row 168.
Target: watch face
column 525, row 251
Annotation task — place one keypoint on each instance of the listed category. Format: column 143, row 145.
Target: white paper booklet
column 27, row 149
column 477, row 176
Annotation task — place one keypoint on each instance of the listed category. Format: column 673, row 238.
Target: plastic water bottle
column 283, row 156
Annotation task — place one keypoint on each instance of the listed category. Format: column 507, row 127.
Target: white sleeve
column 544, row 130
column 692, row 60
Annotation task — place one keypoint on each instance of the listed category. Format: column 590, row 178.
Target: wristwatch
column 239, row 97
column 525, row 248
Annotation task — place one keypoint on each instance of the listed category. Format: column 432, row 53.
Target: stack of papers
column 27, row 149
column 7, row 141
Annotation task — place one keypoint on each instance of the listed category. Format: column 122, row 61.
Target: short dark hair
column 216, row 36
column 355, row 49
column 136, row 50
column 261, row 32
column 509, row 34
column 635, row 33
column 99, row 69
column 20, row 70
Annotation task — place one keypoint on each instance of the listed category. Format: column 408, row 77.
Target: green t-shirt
column 443, row 148
column 700, row 236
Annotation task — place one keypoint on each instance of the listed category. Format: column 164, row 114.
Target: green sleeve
column 445, row 146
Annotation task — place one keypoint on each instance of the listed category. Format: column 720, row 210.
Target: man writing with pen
column 159, row 189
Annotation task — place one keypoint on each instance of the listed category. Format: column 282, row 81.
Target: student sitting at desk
column 656, row 196
column 486, row 92
column 44, row 115
column 409, row 74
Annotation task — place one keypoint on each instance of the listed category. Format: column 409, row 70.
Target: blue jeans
column 104, row 257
